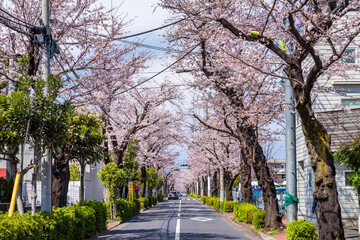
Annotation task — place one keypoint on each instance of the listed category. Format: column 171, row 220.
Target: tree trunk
column 258, row 161
column 61, row 176
column 19, row 201
column 318, row 142
column 229, row 181
column 245, row 179
column 208, row 182
column 222, row 184
column 143, row 182
column 115, row 208
column 358, row 192
column 111, row 211
column 34, row 176
column 215, row 181
column 201, row 186
column 82, row 175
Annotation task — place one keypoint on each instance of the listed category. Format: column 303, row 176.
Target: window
column 347, row 178
column 349, row 56
column 352, row 103
column 310, row 180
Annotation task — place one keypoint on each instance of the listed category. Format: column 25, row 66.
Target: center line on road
column 180, row 206
column 177, row 231
column 178, row 214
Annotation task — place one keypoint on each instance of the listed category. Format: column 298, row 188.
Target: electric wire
column 152, row 47
column 5, row 21
column 7, row 13
column 171, row 65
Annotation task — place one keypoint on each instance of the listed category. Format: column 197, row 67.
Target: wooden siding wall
column 343, row 127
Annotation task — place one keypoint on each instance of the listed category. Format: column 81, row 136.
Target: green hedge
column 259, row 219
column 152, row 201
column 216, row 203
column 244, row 212
column 203, row 199
column 194, row 195
column 228, row 206
column 74, row 222
column 210, row 201
column 160, row 197
column 301, row 230
column 100, row 213
column 144, row 202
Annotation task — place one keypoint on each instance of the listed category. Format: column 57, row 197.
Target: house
column 333, row 110
column 93, row 188
column 277, row 170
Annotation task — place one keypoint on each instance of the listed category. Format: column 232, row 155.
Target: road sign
column 167, row 169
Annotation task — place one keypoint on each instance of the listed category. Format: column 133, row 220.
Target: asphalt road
column 185, row 219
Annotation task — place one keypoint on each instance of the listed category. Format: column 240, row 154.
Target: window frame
column 344, row 179
column 355, row 57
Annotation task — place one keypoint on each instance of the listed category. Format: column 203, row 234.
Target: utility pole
column 45, row 65
column 291, row 180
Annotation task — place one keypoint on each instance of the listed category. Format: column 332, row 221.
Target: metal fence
column 258, row 199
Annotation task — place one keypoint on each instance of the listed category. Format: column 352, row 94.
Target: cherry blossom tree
column 318, row 34
column 84, row 51
column 255, row 97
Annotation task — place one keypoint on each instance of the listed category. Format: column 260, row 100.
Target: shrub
column 194, row 195
column 301, row 230
column 244, row 212
column 137, row 205
column 210, row 200
column 228, row 206
column 216, row 203
column 74, row 222
column 144, row 202
column 123, row 209
column 160, row 197
column 100, row 213
column 259, row 219
column 203, row 199
column 152, row 201
column 84, row 222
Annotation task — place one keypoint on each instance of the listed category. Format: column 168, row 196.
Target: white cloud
column 144, row 13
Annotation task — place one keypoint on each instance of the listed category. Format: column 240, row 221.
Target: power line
column 151, row 30
column 27, row 24
column 128, row 36
column 152, row 47
column 171, row 65
column 7, row 23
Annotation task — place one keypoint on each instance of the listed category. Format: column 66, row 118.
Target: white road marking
column 178, row 214
column 201, row 219
column 180, row 206
column 177, row 231
column 194, row 209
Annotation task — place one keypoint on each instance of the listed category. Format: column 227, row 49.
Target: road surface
column 183, row 219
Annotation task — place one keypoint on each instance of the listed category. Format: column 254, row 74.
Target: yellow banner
column 131, row 191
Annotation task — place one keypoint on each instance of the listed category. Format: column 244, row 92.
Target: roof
column 276, row 161
column 343, row 126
